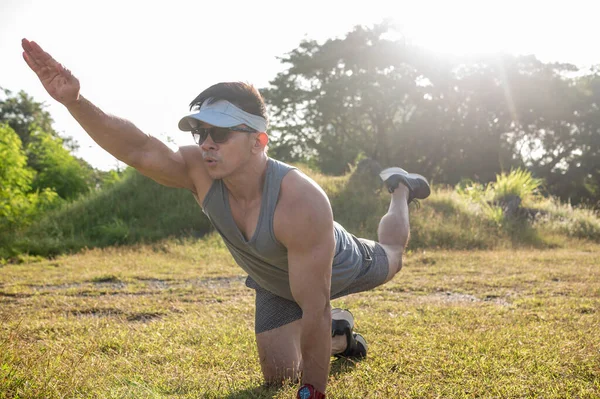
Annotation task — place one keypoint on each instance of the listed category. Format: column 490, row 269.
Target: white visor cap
column 222, row 114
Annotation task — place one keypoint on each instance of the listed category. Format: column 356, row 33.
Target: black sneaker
column 356, row 349
column 342, row 323
column 418, row 186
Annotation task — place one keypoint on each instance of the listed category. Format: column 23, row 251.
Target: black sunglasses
column 219, row 135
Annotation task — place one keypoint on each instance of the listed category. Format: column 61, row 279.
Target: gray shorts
column 273, row 311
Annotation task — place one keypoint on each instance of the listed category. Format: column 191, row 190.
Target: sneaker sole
column 361, row 340
column 389, row 172
column 342, row 314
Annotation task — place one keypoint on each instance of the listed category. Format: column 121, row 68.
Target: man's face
column 221, row 159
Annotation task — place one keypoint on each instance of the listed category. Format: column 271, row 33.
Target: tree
column 56, row 168
column 48, row 154
column 342, row 98
column 447, row 117
column 21, row 112
column 18, row 204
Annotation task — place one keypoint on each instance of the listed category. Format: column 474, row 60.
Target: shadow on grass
column 259, row 392
column 338, row 366
column 341, row 366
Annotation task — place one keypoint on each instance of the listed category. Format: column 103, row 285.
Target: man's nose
column 208, row 144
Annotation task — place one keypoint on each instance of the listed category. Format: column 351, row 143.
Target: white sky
column 146, row 60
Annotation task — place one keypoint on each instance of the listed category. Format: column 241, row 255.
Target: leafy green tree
column 341, row 99
column 18, row 205
column 20, row 111
column 48, row 154
column 56, row 168
column 14, row 173
column 369, row 94
column 559, row 131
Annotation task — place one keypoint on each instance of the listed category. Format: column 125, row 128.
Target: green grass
column 135, row 210
column 173, row 319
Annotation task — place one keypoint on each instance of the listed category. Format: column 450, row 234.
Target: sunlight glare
column 483, row 27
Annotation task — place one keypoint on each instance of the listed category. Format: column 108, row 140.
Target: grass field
column 174, row 319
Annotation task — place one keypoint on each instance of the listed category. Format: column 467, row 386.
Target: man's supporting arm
column 310, row 242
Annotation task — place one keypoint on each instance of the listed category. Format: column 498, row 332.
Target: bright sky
column 145, row 61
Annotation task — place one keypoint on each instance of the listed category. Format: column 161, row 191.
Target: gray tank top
column 262, row 256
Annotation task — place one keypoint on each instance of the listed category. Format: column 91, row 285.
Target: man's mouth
column 210, row 161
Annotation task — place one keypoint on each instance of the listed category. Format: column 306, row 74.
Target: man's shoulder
column 301, row 198
column 303, row 214
column 297, row 188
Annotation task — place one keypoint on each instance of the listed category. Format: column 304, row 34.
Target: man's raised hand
column 56, row 79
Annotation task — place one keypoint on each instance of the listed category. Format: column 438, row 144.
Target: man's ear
column 261, row 140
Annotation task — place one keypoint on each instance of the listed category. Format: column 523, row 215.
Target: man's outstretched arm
column 118, row 136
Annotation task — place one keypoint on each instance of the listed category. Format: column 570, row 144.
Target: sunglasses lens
column 200, row 135
column 220, row 135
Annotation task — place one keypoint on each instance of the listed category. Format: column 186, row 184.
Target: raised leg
column 394, row 230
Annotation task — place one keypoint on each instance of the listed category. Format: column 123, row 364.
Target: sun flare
column 469, row 27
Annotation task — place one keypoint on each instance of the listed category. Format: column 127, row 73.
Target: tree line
column 372, row 94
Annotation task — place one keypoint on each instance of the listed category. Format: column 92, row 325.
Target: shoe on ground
column 342, row 323
column 357, row 348
column 418, row 186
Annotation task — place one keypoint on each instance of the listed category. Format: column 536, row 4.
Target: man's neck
column 247, row 185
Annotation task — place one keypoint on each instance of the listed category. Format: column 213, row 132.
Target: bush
column 19, row 206
column 132, row 210
column 57, row 168
column 582, row 223
column 518, row 183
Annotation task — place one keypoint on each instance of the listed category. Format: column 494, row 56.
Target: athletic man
column 276, row 222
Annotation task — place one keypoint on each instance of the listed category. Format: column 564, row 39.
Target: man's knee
column 277, row 374
column 398, row 263
column 394, row 256
column 279, row 353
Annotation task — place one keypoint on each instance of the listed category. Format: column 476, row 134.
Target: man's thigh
column 375, row 269
column 277, row 328
column 394, row 256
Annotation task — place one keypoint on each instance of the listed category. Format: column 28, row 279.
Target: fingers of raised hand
column 37, row 56
column 43, row 71
column 32, row 64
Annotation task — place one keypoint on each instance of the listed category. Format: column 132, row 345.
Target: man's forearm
column 118, row 136
column 315, row 344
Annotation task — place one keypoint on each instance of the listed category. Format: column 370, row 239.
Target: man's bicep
column 310, row 255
